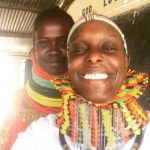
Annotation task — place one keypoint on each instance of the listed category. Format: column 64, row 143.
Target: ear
column 127, row 61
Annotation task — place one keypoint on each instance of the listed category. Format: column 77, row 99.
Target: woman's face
column 97, row 61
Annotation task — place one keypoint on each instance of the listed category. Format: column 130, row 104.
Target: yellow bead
column 137, row 132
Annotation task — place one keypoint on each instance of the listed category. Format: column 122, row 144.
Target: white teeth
column 96, row 76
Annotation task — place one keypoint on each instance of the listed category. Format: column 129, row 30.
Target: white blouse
column 44, row 135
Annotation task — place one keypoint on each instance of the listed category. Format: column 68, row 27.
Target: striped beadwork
column 107, row 124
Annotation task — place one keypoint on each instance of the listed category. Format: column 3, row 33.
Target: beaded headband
column 98, row 18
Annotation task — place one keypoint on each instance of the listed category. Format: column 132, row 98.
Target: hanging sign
column 105, row 7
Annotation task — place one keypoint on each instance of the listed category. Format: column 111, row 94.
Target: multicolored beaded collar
column 39, row 91
column 103, row 125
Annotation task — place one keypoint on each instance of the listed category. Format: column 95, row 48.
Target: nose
column 95, row 56
column 53, row 48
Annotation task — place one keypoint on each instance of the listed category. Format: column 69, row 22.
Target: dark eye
column 109, row 47
column 77, row 50
column 42, row 43
column 62, row 42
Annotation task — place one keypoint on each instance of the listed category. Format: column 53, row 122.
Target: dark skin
column 50, row 45
column 97, row 61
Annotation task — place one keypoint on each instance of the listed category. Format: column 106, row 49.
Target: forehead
column 53, row 21
column 52, row 27
column 94, row 28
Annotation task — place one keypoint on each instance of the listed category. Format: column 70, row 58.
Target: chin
column 97, row 95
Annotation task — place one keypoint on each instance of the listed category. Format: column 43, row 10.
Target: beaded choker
column 103, row 125
column 39, row 92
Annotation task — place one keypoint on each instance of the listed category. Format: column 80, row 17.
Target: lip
column 51, row 55
column 54, row 59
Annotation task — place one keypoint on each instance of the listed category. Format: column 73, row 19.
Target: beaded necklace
column 39, row 92
column 107, row 125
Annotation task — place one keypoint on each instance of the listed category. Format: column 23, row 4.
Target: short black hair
column 52, row 12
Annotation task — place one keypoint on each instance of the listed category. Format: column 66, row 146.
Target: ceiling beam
column 19, row 54
column 11, row 6
column 66, row 4
column 15, row 34
column 32, row 8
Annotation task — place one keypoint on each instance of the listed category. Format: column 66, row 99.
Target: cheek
column 63, row 51
column 74, row 67
column 120, row 73
column 41, row 51
column 119, row 69
column 40, row 56
column 74, row 64
column 117, row 62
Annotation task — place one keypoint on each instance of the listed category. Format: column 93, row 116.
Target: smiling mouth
column 95, row 76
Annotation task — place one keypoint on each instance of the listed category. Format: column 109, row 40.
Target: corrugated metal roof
column 16, row 23
column 32, row 5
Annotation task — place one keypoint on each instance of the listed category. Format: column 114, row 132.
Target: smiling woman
column 105, row 112
column 99, row 46
column 100, row 109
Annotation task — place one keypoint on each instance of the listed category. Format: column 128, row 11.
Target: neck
column 39, row 92
column 56, row 71
column 39, row 71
